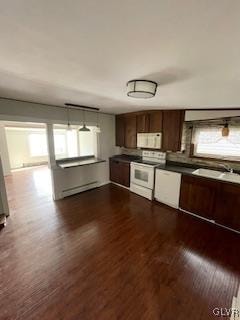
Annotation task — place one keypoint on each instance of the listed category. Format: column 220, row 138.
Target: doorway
column 24, row 155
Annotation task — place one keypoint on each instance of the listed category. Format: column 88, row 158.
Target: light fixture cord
column 68, row 117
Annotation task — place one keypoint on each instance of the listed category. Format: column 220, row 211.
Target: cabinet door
column 198, row 195
column 227, row 206
column 125, row 174
column 142, row 123
column 130, row 131
column 115, row 174
column 172, row 129
column 120, row 172
column 155, row 121
column 120, row 130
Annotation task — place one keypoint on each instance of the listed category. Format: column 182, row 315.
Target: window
column 72, row 143
column 60, row 144
column 86, row 143
column 38, row 144
column 209, row 142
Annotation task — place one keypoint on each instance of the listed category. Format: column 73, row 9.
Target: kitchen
column 120, row 160
column 206, row 188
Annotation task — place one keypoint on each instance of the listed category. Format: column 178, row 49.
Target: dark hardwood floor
column 109, row 254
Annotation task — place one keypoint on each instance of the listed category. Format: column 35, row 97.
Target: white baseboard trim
column 196, row 215
column 208, row 220
column 104, row 183
column 74, row 190
column 119, row 185
column 88, row 186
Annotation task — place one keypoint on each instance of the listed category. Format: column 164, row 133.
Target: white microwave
column 149, row 140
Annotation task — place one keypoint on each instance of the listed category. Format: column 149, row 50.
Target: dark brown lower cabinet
column 227, row 206
column 211, row 199
column 120, row 172
column 198, row 196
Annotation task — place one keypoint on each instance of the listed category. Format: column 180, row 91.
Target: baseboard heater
column 81, row 188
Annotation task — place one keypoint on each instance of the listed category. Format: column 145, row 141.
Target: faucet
column 227, row 167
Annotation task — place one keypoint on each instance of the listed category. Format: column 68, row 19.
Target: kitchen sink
column 226, row 176
column 231, row 177
column 208, row 173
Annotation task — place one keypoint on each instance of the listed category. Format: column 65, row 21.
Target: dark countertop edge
column 125, row 158
column 189, row 171
column 74, row 159
column 78, row 163
column 178, row 169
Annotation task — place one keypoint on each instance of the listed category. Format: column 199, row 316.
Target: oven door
column 142, row 175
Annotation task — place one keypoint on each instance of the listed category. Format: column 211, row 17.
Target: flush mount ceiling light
column 141, row 89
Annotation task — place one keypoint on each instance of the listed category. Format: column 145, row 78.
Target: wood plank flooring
column 109, row 254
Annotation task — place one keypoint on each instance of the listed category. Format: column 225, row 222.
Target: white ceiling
column 84, row 52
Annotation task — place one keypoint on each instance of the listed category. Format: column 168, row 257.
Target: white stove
column 142, row 173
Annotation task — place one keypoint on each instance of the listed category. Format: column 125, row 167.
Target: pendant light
column 98, row 130
column 84, row 128
column 225, row 130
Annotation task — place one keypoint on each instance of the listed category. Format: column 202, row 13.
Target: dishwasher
column 167, row 187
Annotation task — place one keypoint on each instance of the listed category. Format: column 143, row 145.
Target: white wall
column 19, row 149
column 4, row 151
column 210, row 114
column 67, row 178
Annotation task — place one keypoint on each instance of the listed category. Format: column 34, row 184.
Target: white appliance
column 167, row 187
column 142, row 173
column 149, row 140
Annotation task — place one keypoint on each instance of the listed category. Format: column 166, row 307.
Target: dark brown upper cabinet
column 172, row 130
column 143, row 123
column 155, row 121
column 149, row 122
column 120, row 130
column 170, row 123
column 130, row 130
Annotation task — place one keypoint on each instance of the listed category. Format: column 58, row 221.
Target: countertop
column 76, row 162
column 125, row 158
column 188, row 170
column 177, row 168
